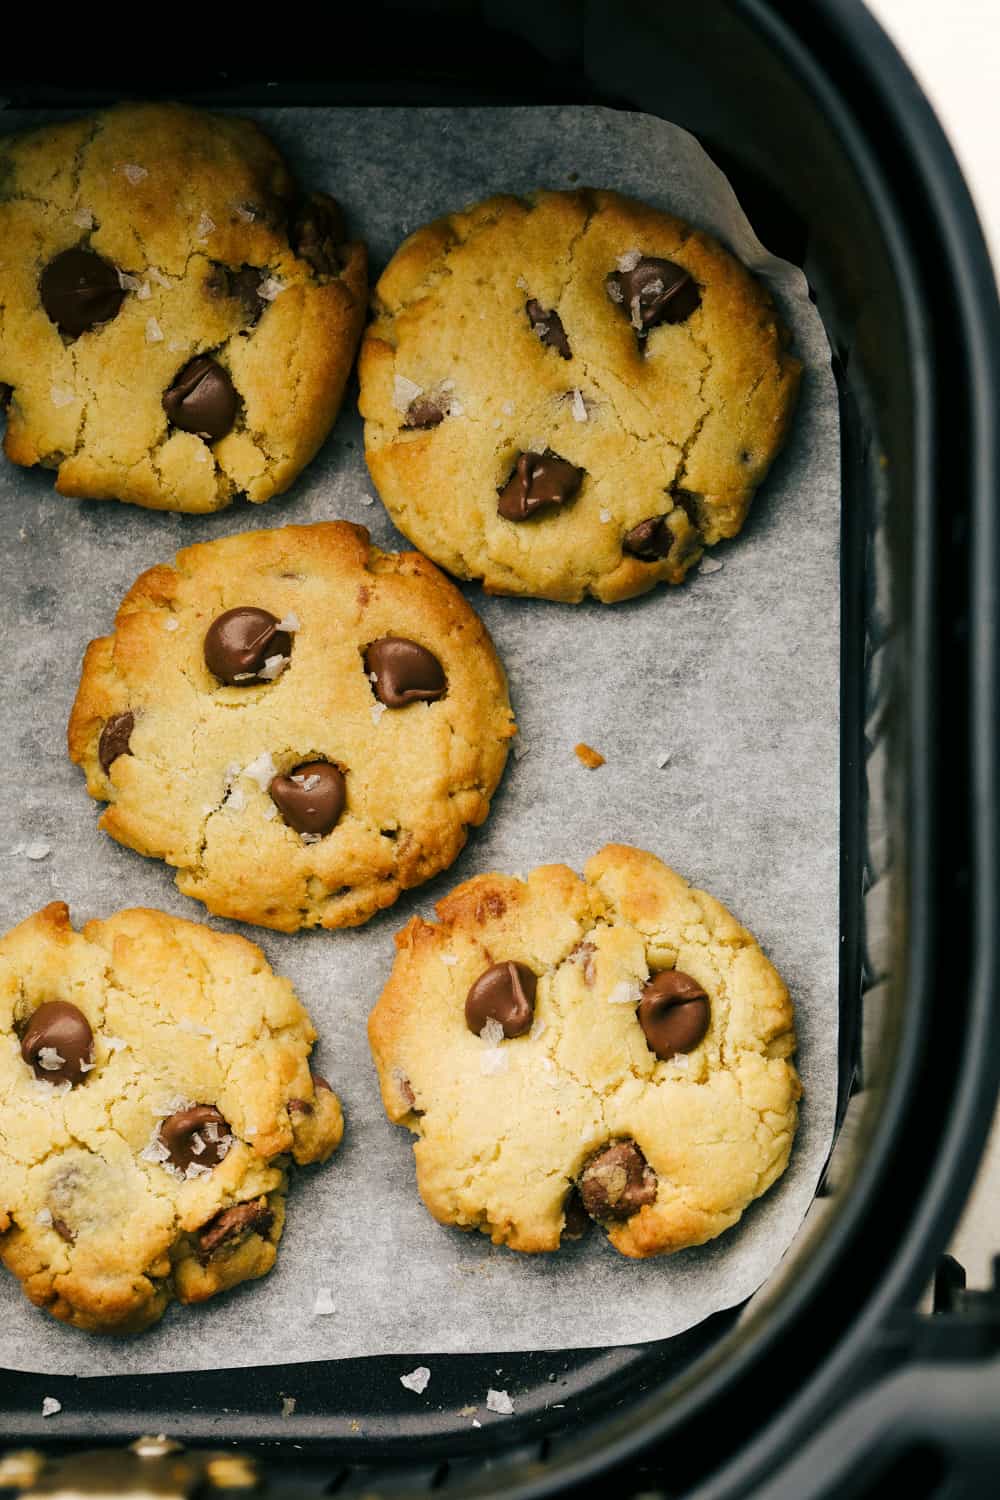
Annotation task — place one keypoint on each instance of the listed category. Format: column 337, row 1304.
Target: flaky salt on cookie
column 302, row 724
column 571, row 394
column 155, row 1087
column 178, row 320
column 614, row 1048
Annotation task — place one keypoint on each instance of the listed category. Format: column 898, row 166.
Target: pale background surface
column 954, row 49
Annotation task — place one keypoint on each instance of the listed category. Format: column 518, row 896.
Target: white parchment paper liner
column 734, row 676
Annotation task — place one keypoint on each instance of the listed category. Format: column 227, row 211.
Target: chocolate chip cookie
column 177, row 322
column 302, row 724
column 613, row 1049
column 572, row 394
column 155, row 1084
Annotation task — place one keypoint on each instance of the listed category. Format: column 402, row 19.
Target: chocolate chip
column 548, row 326
column 504, row 993
column 202, row 399
column 538, row 479
column 240, row 643
column 232, row 1223
column 79, row 290
column 318, row 233
column 576, row 1220
column 63, row 1230
column 654, row 291
column 199, row 1135
column 404, row 672
column 115, row 737
column 58, row 1043
column 423, row 411
column 673, row 1013
column 650, row 540
column 242, row 286
column 617, row 1182
column 311, row 798
column 299, row 1107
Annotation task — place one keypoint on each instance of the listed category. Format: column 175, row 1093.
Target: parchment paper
column 735, row 676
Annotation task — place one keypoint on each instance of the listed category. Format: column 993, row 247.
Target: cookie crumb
column 205, row 227
column 590, row 757
column 367, row 499
column 663, row 760
column 288, row 1406
column 61, row 395
column 500, row 1402
column 417, row 1380
column 170, row 623
column 710, row 565
column 38, row 849
column 324, row 1302
column 467, row 1411
column 50, row 1406
column 83, row 218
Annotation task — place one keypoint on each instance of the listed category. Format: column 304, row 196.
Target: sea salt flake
column 450, row 959
column 614, row 291
column 155, row 274
column 61, row 395
column 492, row 1032
column 625, row 992
column 270, row 288
column 310, row 838
column 171, row 1105
column 236, row 800
column 367, row 499
column 476, row 1422
column 197, row 1144
column 404, row 392
column 50, row 1406
column 492, row 1061
column 37, row 849
column 417, row 1380
column 635, row 307
column 681, row 1060
column 663, row 760
column 43, row 1216
column 456, row 409
column 245, row 212
column 323, row 1305
column 655, row 287
column 171, row 624
column 500, row 1402
column 205, row 227
column 193, row 1029
column 306, row 782
column 262, row 770
column 83, row 218
column 134, row 173
column 273, row 667
column 270, row 812
column 710, row 565
column 156, row 1152
column 154, row 333
column 290, row 623
column 508, row 408
column 579, row 407
column 521, row 284
column 87, row 1067
column 144, row 294
column 377, row 710
column 211, row 1131
column 605, row 516
column 115, row 1043
column 50, row 1059
column 629, row 260
column 195, row 1169
column 128, row 282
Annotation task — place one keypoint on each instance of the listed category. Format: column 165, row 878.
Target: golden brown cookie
column 302, row 724
column 571, row 394
column 615, row 1047
column 176, row 323
column 155, row 1083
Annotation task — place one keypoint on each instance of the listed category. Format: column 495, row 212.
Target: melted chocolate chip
column 650, row 540
column 63, row 1230
column 6, row 391
column 304, row 1106
column 576, row 1220
column 243, row 286
column 321, row 1083
column 538, row 479
column 115, row 737
column 318, row 233
column 504, row 993
column 58, row 1042
column 617, row 1182
column 240, row 643
column 423, row 411
column 311, row 798
column 202, row 399
column 548, row 326
column 199, row 1135
column 233, row 1223
column 79, row 290
column 404, row 672
column 673, row 1013
column 654, row 291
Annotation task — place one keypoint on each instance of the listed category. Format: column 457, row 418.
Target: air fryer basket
column 843, row 169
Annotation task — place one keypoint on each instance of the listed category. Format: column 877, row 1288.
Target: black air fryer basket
column 827, row 1382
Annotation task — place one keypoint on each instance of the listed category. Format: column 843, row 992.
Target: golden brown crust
column 417, row 777
column 179, row 1013
column 215, row 194
column 502, row 1137
column 702, row 408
